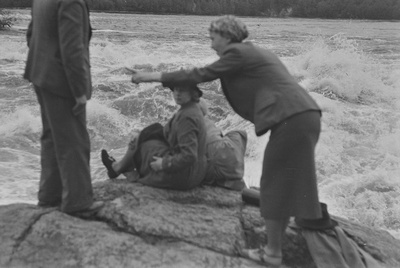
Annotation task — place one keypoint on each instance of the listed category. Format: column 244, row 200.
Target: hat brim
column 191, row 87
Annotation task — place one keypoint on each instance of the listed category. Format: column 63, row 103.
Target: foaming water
column 141, row 53
column 358, row 154
column 19, row 175
column 24, row 120
column 351, row 68
column 338, row 66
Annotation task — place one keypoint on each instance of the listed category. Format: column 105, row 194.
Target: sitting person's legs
column 115, row 167
column 160, row 179
column 127, row 163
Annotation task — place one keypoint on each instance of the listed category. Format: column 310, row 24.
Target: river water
column 351, row 68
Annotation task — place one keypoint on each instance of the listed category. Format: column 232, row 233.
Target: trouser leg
column 50, row 187
column 72, row 149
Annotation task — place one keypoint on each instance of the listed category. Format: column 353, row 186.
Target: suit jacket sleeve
column 187, row 138
column 230, row 62
column 71, row 17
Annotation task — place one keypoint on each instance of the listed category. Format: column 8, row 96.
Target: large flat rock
column 142, row 226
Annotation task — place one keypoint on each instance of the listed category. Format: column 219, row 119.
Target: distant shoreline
column 214, row 15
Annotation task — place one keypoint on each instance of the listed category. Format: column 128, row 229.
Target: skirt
column 288, row 185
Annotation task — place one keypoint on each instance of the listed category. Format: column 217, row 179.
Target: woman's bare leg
column 275, row 231
column 271, row 254
column 126, row 163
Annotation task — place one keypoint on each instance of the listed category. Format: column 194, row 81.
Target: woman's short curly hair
column 230, row 27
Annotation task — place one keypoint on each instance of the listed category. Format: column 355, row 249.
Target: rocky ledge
column 147, row 227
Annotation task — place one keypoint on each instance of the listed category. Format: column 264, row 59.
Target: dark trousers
column 65, row 154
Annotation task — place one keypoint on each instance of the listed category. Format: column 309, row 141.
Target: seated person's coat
column 183, row 150
column 225, row 157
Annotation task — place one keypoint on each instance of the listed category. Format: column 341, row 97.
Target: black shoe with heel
column 107, row 162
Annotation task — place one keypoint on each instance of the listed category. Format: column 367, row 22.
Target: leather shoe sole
column 88, row 212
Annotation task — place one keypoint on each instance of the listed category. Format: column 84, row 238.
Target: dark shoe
column 48, row 205
column 88, row 212
column 107, row 162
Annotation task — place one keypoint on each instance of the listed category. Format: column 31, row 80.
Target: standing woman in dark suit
column 260, row 89
column 58, row 67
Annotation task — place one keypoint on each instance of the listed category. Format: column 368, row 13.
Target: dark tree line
column 347, row 9
column 332, row 9
column 193, row 7
column 15, row 3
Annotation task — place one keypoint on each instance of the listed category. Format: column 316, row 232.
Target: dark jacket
column 183, row 152
column 58, row 39
column 225, row 157
column 255, row 82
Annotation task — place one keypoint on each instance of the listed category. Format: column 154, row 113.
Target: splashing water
column 356, row 86
column 338, row 67
column 358, row 153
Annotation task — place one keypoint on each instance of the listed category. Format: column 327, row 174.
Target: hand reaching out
column 134, row 74
column 139, row 77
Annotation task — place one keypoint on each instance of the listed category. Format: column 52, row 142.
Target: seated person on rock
column 173, row 156
column 225, row 155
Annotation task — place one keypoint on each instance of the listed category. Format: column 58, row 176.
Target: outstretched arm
column 139, row 77
column 229, row 63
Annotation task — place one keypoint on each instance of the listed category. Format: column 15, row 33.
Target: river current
column 351, row 68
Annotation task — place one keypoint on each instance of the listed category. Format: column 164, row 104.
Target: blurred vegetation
column 6, row 20
column 348, row 9
column 331, row 9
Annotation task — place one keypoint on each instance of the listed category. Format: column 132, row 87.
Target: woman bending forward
column 260, row 89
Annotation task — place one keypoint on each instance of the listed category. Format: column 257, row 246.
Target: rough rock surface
column 147, row 227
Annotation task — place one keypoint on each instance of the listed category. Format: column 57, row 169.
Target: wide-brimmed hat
column 318, row 224
column 188, row 86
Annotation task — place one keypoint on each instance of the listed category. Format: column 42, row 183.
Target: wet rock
column 142, row 226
